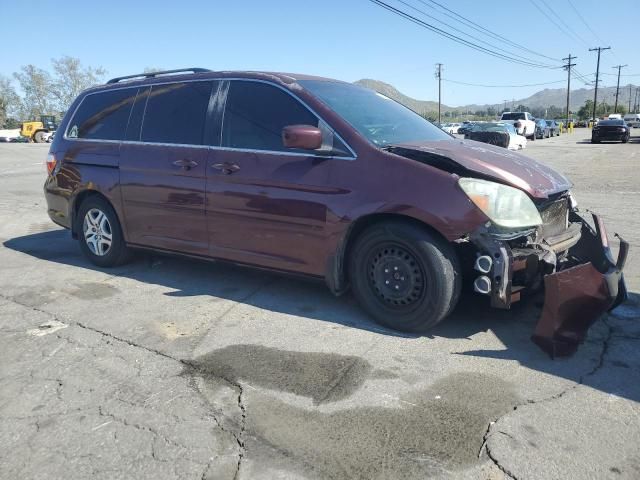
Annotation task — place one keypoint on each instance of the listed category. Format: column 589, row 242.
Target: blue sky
column 344, row 39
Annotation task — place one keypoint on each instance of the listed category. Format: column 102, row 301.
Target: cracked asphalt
column 172, row 368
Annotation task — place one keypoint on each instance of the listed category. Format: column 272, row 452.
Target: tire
column 97, row 220
column 595, row 141
column 625, row 139
column 425, row 267
column 38, row 137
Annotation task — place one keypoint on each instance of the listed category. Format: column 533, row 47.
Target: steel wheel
column 97, row 231
column 396, row 276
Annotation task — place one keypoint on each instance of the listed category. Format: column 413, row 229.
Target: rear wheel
column 100, row 233
column 38, row 137
column 404, row 276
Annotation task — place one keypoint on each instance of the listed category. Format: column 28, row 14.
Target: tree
column 586, row 110
column 9, row 102
column 70, row 78
column 36, row 85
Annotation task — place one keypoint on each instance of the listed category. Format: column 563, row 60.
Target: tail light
column 51, row 163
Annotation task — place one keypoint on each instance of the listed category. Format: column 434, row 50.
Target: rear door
column 163, row 167
column 267, row 205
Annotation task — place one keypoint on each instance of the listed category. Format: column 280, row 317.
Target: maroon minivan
column 327, row 179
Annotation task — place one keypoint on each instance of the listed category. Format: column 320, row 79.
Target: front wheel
column 100, row 234
column 38, row 137
column 404, row 276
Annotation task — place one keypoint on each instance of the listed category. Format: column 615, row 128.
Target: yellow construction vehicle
column 39, row 130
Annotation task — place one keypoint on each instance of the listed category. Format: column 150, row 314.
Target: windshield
column 380, row 119
column 611, row 122
column 513, row 116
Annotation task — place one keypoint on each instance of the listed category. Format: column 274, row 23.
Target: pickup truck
column 524, row 123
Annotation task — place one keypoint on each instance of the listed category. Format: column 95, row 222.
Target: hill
column 542, row 99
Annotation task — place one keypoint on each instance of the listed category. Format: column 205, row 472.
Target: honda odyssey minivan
column 330, row 180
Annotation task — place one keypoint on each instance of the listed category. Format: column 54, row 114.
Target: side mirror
column 305, row 137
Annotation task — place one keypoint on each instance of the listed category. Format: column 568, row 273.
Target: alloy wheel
column 97, row 232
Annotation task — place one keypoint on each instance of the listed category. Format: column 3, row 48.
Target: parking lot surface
column 172, row 368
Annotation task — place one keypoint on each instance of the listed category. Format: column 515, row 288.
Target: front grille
column 555, row 218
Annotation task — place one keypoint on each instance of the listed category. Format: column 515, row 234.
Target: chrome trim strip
column 354, row 156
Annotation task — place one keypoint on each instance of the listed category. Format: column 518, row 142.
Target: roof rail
column 155, row 74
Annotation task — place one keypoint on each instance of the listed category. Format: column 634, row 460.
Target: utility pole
column 567, row 67
column 619, row 67
column 439, row 77
column 505, row 105
column 629, row 99
column 595, row 95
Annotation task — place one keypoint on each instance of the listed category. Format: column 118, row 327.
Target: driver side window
column 256, row 113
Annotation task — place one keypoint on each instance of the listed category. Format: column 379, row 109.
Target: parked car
column 330, row 180
column 500, row 134
column 554, row 128
column 632, row 120
column 542, row 129
column 465, row 127
column 451, row 128
column 524, row 123
column 614, row 116
column 611, row 130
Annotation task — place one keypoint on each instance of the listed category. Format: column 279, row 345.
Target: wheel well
column 80, row 198
column 356, row 229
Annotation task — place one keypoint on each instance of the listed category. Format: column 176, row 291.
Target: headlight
column 505, row 206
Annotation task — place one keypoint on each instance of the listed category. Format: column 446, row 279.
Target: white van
column 614, row 116
column 632, row 119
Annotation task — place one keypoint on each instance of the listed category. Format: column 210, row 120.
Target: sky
column 343, row 39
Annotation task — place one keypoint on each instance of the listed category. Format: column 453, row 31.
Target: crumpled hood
column 506, row 166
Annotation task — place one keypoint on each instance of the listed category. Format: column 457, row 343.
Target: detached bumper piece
column 590, row 284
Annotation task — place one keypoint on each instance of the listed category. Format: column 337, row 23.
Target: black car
column 465, row 127
column 542, row 129
column 613, row 130
column 554, row 128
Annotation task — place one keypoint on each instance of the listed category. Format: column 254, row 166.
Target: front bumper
column 580, row 283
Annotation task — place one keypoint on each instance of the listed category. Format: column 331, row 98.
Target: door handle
column 227, row 167
column 185, row 164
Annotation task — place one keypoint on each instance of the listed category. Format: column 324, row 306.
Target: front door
column 163, row 172
column 267, row 205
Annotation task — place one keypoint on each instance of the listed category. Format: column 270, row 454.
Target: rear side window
column 256, row 113
column 176, row 113
column 103, row 116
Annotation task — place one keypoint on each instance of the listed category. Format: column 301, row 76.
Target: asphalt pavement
column 173, row 368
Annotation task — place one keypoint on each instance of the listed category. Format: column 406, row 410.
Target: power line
column 501, row 86
column 490, row 45
column 453, row 37
column 479, row 28
column 569, row 29
column 584, row 21
column 550, row 18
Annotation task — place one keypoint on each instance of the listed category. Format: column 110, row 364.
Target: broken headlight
column 506, row 206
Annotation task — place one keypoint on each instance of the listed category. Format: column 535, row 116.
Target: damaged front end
column 566, row 255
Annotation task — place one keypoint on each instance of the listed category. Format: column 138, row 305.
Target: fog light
column 483, row 264
column 482, row 284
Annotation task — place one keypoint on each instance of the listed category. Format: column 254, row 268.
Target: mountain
column 392, row 92
column 542, row 99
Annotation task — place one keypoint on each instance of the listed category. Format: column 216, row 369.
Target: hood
column 511, row 168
